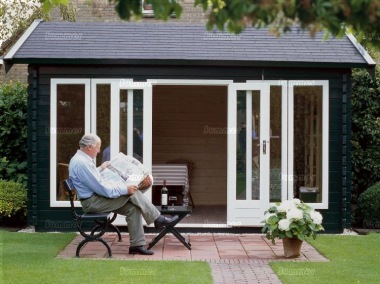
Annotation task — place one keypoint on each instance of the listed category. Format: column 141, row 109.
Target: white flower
column 296, row 201
column 316, row 217
column 285, row 206
column 284, row 224
column 294, row 214
column 268, row 215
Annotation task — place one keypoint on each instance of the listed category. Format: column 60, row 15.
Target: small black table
column 182, row 212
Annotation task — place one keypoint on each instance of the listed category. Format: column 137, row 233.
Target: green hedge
column 369, row 207
column 13, row 132
column 365, row 131
column 12, row 198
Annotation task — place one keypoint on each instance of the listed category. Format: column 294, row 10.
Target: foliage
column 365, row 138
column 291, row 219
column 369, row 206
column 13, row 132
column 361, row 18
column 12, row 198
column 32, row 258
column 68, row 12
column 352, row 259
column 17, row 15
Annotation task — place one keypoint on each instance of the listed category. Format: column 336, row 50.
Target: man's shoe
column 162, row 221
column 140, row 250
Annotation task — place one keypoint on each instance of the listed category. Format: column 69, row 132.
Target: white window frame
column 146, row 12
column 325, row 138
column 53, row 132
column 149, row 12
column 287, row 136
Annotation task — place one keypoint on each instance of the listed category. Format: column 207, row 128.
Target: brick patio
column 233, row 258
column 207, row 247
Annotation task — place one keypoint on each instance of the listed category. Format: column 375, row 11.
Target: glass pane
column 307, row 174
column 138, row 109
column 103, row 112
column 275, row 143
column 241, row 147
column 70, row 128
column 123, row 121
column 255, row 136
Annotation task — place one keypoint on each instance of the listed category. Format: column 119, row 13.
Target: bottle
column 164, row 196
column 185, row 200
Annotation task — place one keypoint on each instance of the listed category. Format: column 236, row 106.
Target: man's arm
column 90, row 178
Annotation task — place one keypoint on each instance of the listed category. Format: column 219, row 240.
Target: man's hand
column 132, row 189
column 105, row 165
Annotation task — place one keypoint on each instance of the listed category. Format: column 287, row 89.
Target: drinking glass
column 172, row 200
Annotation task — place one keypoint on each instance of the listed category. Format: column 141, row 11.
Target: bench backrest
column 70, row 188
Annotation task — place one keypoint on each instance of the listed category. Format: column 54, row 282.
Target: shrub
column 365, row 132
column 13, row 132
column 369, row 206
column 291, row 219
column 12, row 198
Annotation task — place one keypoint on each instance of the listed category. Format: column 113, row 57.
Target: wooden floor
column 207, row 216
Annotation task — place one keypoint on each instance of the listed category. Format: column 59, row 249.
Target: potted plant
column 292, row 221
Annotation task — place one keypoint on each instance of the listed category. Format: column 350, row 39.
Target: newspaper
column 127, row 169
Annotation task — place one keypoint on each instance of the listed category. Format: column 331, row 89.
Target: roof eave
column 92, row 61
column 362, row 50
column 7, row 59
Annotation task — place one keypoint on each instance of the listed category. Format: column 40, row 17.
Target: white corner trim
column 1, row 62
column 22, row 39
column 361, row 49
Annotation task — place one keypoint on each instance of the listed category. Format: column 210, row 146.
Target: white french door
column 277, row 136
column 279, row 149
column 119, row 111
column 131, row 121
column 248, row 153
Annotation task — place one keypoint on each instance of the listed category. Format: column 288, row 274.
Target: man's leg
column 134, row 222
column 147, row 209
column 121, row 206
column 98, row 203
column 150, row 212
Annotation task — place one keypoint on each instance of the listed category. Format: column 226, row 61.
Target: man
column 96, row 195
column 106, row 156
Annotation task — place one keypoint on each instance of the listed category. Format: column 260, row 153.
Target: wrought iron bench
column 103, row 221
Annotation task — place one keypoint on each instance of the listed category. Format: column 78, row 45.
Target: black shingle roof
column 170, row 42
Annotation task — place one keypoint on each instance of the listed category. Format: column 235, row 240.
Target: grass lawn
column 353, row 259
column 31, row 258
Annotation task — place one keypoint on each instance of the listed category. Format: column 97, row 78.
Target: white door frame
column 129, row 84
column 116, row 87
column 248, row 212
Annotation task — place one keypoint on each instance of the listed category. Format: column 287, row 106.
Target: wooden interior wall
column 191, row 122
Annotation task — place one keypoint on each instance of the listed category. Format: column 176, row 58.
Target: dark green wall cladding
column 40, row 213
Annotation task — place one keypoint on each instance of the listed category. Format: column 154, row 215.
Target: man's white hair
column 89, row 140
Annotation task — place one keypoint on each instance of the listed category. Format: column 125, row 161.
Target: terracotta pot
column 292, row 247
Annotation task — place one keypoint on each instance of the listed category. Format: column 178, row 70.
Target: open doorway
column 190, row 123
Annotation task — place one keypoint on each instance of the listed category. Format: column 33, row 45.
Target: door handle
column 265, row 142
column 264, row 147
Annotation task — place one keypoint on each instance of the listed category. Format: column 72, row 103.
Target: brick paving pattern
column 233, row 258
